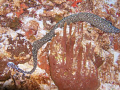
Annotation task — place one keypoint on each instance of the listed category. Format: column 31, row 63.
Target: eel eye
column 10, row 64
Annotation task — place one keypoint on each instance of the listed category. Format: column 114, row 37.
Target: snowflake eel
column 93, row 19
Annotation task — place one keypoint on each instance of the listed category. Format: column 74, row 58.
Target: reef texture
column 78, row 55
column 18, row 50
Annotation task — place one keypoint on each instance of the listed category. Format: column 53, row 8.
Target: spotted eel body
column 93, row 19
